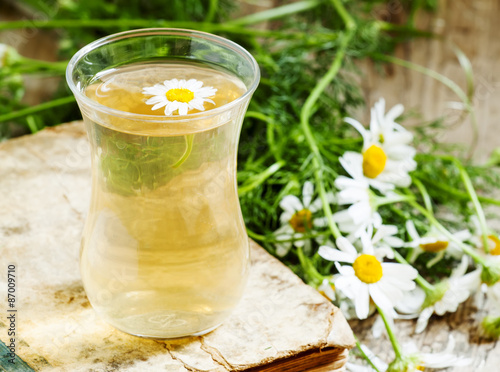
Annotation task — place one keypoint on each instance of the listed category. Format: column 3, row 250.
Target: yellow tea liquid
column 165, row 251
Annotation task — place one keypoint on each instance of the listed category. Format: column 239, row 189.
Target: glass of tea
column 164, row 252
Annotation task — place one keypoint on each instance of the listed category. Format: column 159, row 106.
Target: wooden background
column 474, row 27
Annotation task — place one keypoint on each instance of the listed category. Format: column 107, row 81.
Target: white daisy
column 387, row 156
column 434, row 242
column 362, row 213
column 415, row 361
column 298, row 219
column 179, row 95
column 369, row 277
column 458, row 288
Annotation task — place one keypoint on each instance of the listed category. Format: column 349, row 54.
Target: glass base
column 164, row 325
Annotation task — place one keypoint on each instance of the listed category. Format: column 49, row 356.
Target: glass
column 164, row 251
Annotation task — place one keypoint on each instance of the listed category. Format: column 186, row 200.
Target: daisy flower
column 368, row 277
column 298, row 219
column 457, row 289
column 415, row 361
column 179, row 95
column 387, row 155
column 362, row 212
column 434, row 242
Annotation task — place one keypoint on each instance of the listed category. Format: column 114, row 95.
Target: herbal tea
column 165, row 251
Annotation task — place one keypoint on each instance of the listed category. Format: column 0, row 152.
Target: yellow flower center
column 436, row 247
column 180, row 95
column 495, row 251
column 367, row 268
column 301, row 221
column 420, row 368
column 374, row 160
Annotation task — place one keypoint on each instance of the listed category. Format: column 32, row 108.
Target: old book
column 281, row 324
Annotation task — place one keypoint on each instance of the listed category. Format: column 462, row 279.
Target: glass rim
column 161, row 31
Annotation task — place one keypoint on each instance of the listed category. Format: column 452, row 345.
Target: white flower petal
column 423, row 319
column 332, row 254
column 362, row 302
column 307, row 193
column 291, row 203
column 382, row 300
column 346, row 246
column 352, row 162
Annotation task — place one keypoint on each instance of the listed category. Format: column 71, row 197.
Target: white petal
column 362, row 301
column 291, row 203
column 423, row 319
column 359, row 127
column 346, row 246
column 343, row 182
column 394, row 242
column 332, row 254
column 183, row 108
column 197, row 104
column 383, row 232
column 307, row 193
column 158, row 105
column 352, row 162
column 394, row 112
column 382, row 300
column 401, row 271
column 412, row 231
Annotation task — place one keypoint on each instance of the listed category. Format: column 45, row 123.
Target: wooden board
column 281, row 324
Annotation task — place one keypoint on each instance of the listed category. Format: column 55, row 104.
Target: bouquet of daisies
column 387, row 267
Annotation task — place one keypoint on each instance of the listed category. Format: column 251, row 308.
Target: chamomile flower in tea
column 179, row 95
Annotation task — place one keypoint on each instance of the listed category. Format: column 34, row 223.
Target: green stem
column 278, row 12
column 380, row 201
column 189, row 147
column 264, row 238
column 425, row 195
column 469, row 187
column 346, row 17
column 390, row 333
column 307, row 111
column 457, row 193
column 431, row 73
column 386, row 26
column 475, row 202
column 141, row 23
column 212, row 10
column 255, row 236
column 37, row 108
column 308, row 267
column 32, row 124
column 269, row 132
column 363, row 354
column 260, row 178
